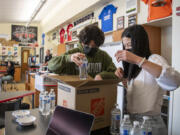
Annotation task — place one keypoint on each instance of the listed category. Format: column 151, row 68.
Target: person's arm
column 150, row 67
column 166, row 76
column 66, row 62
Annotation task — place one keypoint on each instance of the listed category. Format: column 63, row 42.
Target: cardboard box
column 95, row 97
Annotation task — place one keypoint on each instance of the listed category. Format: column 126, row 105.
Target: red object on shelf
column 69, row 32
column 158, row 12
column 62, row 33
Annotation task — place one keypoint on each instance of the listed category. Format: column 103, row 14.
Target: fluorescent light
column 36, row 11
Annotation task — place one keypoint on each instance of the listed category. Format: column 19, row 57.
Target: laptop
column 70, row 122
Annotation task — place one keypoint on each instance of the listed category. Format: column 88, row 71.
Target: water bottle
column 125, row 126
column 46, row 104
column 146, row 128
column 41, row 96
column 136, row 130
column 83, row 73
column 115, row 120
column 52, row 100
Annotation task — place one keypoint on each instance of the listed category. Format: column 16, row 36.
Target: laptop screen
column 69, row 122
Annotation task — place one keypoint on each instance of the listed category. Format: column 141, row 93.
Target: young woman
column 144, row 94
column 9, row 75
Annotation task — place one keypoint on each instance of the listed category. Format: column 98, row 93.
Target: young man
column 100, row 65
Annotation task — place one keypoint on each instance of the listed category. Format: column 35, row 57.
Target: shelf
column 167, row 21
column 71, row 42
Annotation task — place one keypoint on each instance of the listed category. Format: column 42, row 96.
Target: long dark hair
column 140, row 47
column 11, row 67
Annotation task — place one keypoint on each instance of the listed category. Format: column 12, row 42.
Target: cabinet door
column 17, row 74
column 154, row 34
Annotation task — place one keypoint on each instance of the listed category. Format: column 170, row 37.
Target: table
column 8, row 96
column 39, row 128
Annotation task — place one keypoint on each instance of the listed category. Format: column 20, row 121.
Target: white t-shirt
column 169, row 79
column 144, row 94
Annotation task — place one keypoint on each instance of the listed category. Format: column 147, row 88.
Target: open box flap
column 99, row 82
column 72, row 80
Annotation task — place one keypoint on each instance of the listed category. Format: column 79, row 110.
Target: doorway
column 24, row 60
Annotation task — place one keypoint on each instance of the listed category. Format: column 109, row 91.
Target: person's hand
column 98, row 77
column 119, row 73
column 123, row 55
column 77, row 58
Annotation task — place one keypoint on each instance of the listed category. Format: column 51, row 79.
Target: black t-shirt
column 10, row 71
column 47, row 58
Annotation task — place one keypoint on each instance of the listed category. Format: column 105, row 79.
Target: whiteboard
column 111, row 50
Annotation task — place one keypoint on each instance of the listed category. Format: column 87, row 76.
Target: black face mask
column 89, row 51
column 130, row 50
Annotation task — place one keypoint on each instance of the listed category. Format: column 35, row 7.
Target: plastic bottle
column 115, row 120
column 41, row 96
column 52, row 100
column 83, row 69
column 146, row 128
column 125, row 126
column 46, row 104
column 136, row 130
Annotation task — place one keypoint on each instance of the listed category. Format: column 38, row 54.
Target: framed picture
column 120, row 22
column 24, row 34
column 132, row 19
column 131, row 7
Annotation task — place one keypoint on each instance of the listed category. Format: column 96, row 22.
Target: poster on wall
column 15, row 50
column 131, row 7
column 120, row 22
column 132, row 20
column 9, row 49
column 4, row 51
column 106, row 17
column 23, row 34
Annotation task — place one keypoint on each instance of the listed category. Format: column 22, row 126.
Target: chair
column 12, row 85
column 8, row 106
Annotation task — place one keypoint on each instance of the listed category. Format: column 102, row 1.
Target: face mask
column 89, row 51
column 130, row 50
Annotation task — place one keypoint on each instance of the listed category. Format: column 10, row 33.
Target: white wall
column 176, row 63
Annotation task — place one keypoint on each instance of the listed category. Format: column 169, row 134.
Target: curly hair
column 91, row 32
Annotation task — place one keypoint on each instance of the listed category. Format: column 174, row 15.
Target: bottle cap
column 126, row 116
column 146, row 117
column 136, row 123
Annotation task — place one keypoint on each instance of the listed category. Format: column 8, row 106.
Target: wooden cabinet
column 154, row 34
column 61, row 49
column 32, row 82
column 17, row 74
